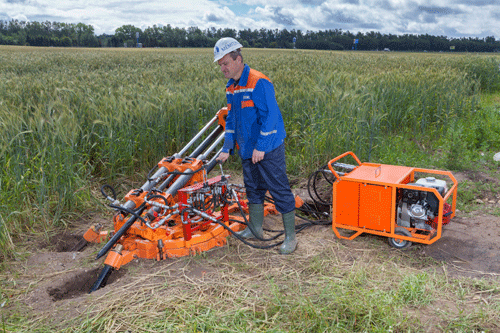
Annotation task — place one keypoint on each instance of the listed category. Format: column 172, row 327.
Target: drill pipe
column 209, row 139
column 106, row 271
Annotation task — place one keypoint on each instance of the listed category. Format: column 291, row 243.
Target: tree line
column 15, row 32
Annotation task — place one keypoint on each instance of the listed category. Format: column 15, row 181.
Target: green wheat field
column 73, row 119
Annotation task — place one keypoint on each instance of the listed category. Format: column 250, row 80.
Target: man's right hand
column 222, row 157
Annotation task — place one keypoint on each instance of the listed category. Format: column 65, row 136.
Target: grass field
column 73, row 119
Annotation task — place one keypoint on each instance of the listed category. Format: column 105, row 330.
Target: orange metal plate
column 347, row 203
column 375, row 207
column 380, row 173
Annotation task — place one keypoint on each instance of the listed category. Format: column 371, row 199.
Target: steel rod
column 197, row 136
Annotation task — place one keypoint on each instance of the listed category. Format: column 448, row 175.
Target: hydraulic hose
column 312, row 186
column 298, row 228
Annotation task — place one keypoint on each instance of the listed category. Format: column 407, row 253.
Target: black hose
column 244, row 240
column 298, row 228
column 312, row 186
column 148, row 197
column 130, row 211
column 151, row 172
column 106, row 186
column 307, row 210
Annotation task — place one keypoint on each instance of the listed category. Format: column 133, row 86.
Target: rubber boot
column 290, row 243
column 256, row 218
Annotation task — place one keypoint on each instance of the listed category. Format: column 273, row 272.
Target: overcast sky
column 451, row 18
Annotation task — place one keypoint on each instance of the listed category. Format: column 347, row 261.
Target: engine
column 420, row 209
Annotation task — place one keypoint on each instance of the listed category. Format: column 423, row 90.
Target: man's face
column 231, row 68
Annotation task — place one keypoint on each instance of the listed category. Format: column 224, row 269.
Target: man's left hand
column 257, row 156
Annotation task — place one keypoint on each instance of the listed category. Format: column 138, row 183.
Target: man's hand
column 257, row 156
column 222, row 157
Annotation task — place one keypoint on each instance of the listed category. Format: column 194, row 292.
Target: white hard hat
column 224, row 46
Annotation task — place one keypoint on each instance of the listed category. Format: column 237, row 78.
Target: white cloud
column 454, row 18
column 20, row 17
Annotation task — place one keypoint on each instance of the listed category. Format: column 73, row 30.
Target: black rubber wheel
column 400, row 243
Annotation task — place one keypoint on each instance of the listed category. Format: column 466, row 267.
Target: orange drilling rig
column 178, row 211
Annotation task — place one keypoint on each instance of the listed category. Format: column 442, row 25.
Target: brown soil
column 57, row 275
column 469, row 244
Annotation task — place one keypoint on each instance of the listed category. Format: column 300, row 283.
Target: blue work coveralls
column 254, row 121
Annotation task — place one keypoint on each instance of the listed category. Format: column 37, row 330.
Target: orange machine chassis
column 364, row 200
column 185, row 233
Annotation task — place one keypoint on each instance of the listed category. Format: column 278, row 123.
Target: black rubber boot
column 290, row 243
column 256, row 218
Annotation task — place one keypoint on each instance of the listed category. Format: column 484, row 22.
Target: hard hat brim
column 221, row 48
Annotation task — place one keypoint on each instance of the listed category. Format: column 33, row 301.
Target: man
column 254, row 121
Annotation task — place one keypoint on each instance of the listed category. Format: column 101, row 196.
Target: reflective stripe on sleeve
column 243, row 90
column 268, row 133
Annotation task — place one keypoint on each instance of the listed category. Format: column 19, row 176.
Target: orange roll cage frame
column 365, row 200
